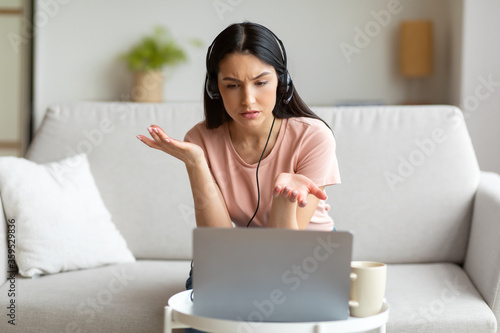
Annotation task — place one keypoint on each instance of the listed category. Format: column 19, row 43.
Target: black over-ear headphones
column 211, row 85
column 285, row 82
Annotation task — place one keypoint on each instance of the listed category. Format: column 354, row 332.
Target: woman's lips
column 250, row 114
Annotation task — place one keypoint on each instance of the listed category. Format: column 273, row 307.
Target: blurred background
column 340, row 52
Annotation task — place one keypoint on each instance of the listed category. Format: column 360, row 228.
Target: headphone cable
column 257, row 172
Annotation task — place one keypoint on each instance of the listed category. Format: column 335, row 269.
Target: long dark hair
column 255, row 39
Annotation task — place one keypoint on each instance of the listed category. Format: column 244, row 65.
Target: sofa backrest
column 409, row 175
column 146, row 191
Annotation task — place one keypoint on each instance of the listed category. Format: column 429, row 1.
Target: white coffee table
column 179, row 314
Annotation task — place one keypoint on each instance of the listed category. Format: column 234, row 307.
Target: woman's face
column 248, row 89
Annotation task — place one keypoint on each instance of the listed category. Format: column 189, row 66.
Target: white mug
column 368, row 280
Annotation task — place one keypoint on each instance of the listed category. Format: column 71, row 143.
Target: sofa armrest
column 482, row 261
column 3, row 245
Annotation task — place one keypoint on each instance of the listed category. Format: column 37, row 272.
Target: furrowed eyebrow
column 228, row 78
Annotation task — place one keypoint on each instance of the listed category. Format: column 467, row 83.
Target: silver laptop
column 271, row 275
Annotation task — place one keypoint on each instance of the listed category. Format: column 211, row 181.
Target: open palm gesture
column 184, row 151
column 296, row 188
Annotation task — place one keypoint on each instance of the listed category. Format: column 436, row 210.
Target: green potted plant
column 147, row 58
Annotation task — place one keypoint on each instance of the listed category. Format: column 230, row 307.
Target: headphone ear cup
column 286, row 87
column 284, row 83
column 288, row 80
column 212, row 88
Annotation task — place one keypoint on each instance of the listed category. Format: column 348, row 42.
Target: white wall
column 481, row 63
column 77, row 42
column 456, row 50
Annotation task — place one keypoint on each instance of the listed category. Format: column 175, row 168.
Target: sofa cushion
column 130, row 298
column 126, row 298
column 409, row 176
column 435, row 298
column 57, row 220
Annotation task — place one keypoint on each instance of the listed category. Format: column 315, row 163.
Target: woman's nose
column 248, row 96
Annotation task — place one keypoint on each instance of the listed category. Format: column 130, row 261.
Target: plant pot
column 148, row 87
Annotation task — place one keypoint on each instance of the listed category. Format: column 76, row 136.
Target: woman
column 257, row 130
column 261, row 158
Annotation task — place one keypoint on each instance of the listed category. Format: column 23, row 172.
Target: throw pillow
column 61, row 222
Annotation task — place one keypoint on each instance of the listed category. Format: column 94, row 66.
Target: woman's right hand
column 187, row 152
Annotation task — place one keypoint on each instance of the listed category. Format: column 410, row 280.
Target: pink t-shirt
column 304, row 146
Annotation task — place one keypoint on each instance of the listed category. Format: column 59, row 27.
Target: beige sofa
column 412, row 194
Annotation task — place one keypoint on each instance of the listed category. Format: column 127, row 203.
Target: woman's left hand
column 296, row 188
